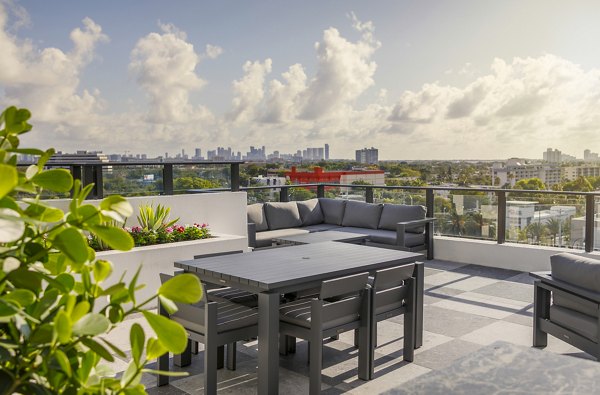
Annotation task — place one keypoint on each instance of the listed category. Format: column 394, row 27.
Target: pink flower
column 136, row 229
column 169, row 229
column 204, row 225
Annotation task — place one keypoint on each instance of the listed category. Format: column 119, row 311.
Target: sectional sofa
column 388, row 225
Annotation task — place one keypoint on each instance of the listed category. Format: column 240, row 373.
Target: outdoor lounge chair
column 214, row 323
column 567, row 303
column 315, row 319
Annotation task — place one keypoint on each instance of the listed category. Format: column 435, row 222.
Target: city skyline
column 427, row 80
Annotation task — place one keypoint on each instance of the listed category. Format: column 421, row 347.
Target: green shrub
column 51, row 327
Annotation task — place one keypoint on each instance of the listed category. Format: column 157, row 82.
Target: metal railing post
column 320, row 191
column 87, row 177
column 429, row 202
column 98, row 181
column 77, row 174
column 168, row 179
column 369, row 195
column 590, row 219
column 284, row 194
column 235, row 177
column 501, row 231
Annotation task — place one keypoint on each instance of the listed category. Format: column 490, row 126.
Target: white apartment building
column 516, row 169
column 573, row 172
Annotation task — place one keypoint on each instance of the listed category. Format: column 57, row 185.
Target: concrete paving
column 465, row 308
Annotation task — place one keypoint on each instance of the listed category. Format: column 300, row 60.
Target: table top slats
column 279, row 267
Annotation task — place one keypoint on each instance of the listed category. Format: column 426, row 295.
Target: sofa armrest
column 251, row 234
column 552, row 284
column 402, row 226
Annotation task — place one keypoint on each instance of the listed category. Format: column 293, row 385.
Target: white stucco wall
column 526, row 258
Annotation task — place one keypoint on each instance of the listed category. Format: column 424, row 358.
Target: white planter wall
column 225, row 214
column 160, row 258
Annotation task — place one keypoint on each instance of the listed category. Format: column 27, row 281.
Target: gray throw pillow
column 361, row 214
column 310, row 212
column 394, row 213
column 333, row 210
column 282, row 215
column 256, row 215
column 577, row 270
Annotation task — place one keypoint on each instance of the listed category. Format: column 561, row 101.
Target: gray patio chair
column 393, row 294
column 216, row 292
column 567, row 303
column 316, row 319
column 214, row 324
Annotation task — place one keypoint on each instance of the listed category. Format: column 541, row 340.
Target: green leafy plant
column 52, row 326
column 157, row 219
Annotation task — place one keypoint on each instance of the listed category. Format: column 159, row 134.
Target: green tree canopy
column 533, row 184
column 581, row 184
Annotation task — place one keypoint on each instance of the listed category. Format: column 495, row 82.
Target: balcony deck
column 466, row 308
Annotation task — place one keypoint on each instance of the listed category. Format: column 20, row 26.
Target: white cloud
column 165, row 67
column 47, row 80
column 345, row 71
column 517, row 108
column 213, row 51
column 249, row 91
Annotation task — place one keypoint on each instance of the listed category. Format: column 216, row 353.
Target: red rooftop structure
column 318, row 175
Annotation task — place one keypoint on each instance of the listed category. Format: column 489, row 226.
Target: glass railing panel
column 546, row 219
column 399, row 196
column 132, row 180
column 466, row 214
column 262, row 195
column 200, row 176
column 302, row 193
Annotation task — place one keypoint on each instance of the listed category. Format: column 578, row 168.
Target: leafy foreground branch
column 52, row 327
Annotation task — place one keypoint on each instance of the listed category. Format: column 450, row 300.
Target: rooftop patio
column 466, row 308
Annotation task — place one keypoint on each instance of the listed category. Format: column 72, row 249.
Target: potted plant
column 51, row 283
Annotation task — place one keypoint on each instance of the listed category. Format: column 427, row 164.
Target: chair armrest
column 251, row 234
column 552, row 284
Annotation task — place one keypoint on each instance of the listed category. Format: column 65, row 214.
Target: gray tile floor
column 465, row 308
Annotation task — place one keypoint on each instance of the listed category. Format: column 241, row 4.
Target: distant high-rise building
column 589, row 156
column 552, row 156
column 368, row 155
column 197, row 153
column 326, row 151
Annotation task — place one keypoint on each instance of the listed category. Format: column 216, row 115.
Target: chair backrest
column 392, row 277
column 389, row 288
column 348, row 308
column 188, row 312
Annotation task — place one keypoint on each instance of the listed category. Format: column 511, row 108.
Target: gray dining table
column 275, row 271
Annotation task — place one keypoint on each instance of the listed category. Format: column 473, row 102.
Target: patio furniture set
column 396, row 226
column 267, row 294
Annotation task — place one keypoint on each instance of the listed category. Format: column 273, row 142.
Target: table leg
column 419, row 275
column 268, row 343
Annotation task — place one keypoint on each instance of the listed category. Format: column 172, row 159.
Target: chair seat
column 230, row 316
column 583, row 324
column 235, row 295
column 298, row 312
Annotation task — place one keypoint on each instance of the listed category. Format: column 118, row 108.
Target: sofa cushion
column 571, row 302
column 282, row 215
column 310, row 212
column 387, row 236
column 580, row 271
column 577, row 322
column 394, row 213
column 361, row 214
column 321, row 227
column 265, row 239
column 256, row 215
column 333, row 210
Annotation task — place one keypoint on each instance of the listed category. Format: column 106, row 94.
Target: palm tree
column 554, row 226
column 537, row 231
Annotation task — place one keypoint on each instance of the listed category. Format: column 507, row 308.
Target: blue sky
column 417, row 79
